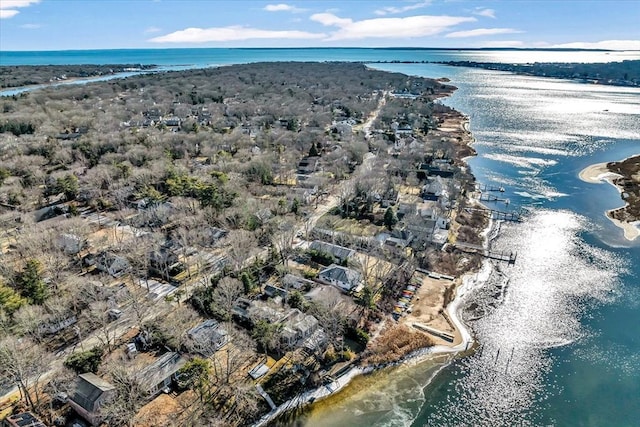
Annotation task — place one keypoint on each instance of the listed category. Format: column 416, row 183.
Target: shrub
column 86, row 361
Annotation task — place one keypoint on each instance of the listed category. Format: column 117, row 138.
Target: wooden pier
column 498, row 215
column 491, row 198
column 485, row 187
column 508, row 257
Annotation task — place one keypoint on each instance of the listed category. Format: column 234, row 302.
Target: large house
column 342, row 277
column 91, row 392
column 297, row 326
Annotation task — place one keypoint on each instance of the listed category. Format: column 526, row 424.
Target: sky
column 117, row 24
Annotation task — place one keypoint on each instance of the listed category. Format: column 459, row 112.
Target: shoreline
column 464, row 284
column 599, row 173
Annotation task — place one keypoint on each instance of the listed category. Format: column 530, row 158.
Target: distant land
column 625, row 73
column 27, row 75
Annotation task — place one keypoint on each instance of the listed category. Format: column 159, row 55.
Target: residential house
column 91, row 392
column 433, row 190
column 296, row 282
column 165, row 263
column 162, row 373
column 214, row 235
column 342, row 277
column 273, row 291
column 54, row 326
column 339, row 253
column 400, row 238
column 109, row 263
column 23, row 419
column 308, row 165
column 71, row 244
column 297, row 326
column 207, row 337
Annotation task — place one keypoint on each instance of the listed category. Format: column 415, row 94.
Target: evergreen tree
column 390, row 218
column 30, row 284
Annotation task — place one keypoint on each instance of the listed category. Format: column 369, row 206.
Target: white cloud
column 482, row 32
column 152, row 29
column 30, row 26
column 8, row 7
column 489, row 13
column 393, row 10
column 4, row 13
column 411, row 26
column 604, row 44
column 282, row 7
column 329, row 19
column 232, row 33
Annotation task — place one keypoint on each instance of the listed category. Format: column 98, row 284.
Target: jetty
column 508, row 257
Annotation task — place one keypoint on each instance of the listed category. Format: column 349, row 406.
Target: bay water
column 559, row 345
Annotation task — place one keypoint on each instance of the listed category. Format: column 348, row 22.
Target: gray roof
column 341, row 274
column 163, row 368
column 339, row 252
column 208, row 336
column 89, row 389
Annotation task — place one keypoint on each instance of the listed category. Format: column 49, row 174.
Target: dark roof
column 163, row 368
column 89, row 389
column 341, row 274
column 339, row 252
column 24, row 419
column 403, row 234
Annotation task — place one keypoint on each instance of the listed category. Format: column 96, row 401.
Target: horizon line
column 559, row 49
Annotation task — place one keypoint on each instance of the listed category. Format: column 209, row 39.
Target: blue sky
column 112, row 24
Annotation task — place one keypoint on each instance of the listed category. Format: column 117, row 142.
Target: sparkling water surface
column 559, row 343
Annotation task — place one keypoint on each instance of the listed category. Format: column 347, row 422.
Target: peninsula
column 625, row 176
column 624, row 73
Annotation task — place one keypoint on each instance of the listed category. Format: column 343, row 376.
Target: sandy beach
column 598, row 174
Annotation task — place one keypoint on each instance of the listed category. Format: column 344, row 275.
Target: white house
column 342, row 277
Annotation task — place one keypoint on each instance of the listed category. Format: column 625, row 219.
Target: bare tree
column 226, row 294
column 130, row 394
column 24, row 363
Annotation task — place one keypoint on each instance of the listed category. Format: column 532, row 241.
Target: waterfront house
column 297, row 327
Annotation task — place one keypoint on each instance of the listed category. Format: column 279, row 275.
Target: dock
column 491, row 198
column 498, row 215
column 485, row 187
column 508, row 257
